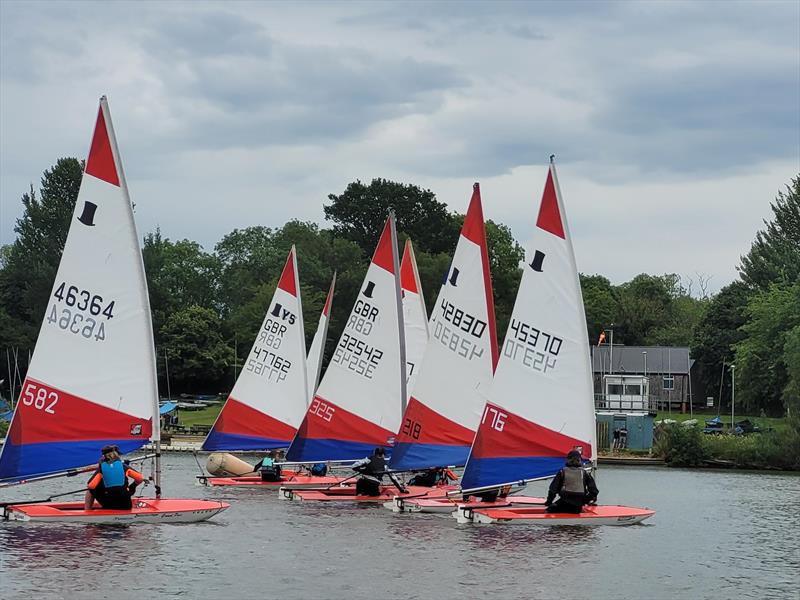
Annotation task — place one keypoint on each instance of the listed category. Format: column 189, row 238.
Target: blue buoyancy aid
column 113, row 473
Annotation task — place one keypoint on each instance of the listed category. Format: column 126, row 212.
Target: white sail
column 361, row 396
column 415, row 316
column 92, row 377
column 317, row 350
column 456, row 372
column 268, row 400
column 541, row 404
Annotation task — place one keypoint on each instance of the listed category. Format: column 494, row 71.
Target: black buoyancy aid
column 573, row 483
column 375, row 467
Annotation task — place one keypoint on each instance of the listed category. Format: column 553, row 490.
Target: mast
column 303, row 353
column 400, row 324
column 155, row 436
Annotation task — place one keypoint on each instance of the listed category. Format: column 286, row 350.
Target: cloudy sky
column 674, row 124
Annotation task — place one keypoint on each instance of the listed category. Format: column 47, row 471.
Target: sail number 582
column 497, row 418
column 39, row 398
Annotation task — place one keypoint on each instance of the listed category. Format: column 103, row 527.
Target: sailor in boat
column 372, row 469
column 574, row 486
column 270, row 471
column 109, row 483
column 433, row 477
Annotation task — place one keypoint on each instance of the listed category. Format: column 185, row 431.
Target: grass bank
column 779, row 448
column 204, row 416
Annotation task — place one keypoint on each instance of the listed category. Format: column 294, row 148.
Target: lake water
column 717, row 534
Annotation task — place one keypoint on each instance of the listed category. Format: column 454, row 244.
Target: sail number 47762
column 39, row 397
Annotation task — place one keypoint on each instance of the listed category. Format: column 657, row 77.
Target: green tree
column 198, row 354
column 179, row 274
column 599, row 303
column 716, row 334
column 791, row 393
column 30, row 263
column 775, row 254
column 359, row 214
column 247, row 257
column 762, row 373
column 643, row 304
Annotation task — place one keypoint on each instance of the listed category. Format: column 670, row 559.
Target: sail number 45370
column 39, row 398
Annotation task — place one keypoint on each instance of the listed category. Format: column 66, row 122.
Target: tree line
column 208, row 305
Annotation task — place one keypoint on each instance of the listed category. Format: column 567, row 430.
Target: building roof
column 631, row 359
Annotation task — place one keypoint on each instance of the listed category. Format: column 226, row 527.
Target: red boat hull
column 346, row 494
column 145, row 510
column 591, row 515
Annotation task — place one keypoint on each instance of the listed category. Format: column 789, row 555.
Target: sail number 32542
column 39, row 397
column 78, row 314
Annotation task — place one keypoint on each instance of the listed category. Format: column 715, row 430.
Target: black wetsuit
column 372, row 470
column 570, row 501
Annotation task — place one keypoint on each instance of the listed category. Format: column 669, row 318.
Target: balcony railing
column 626, row 403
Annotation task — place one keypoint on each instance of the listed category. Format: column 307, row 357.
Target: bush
column 680, row 446
column 779, row 449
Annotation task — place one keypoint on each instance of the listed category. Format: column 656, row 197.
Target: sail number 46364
column 84, row 314
column 39, row 398
column 84, row 300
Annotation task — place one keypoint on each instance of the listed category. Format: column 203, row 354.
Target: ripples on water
column 716, row 535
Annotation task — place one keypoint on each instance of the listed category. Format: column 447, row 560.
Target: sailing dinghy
column 456, row 372
column 92, row 377
column 268, row 400
column 541, row 404
column 270, row 397
column 362, row 395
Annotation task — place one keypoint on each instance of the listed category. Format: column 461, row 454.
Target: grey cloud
column 302, row 95
column 207, row 34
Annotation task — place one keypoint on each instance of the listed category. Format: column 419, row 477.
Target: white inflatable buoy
column 222, row 464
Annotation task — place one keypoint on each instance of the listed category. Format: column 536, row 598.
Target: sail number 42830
column 39, row 398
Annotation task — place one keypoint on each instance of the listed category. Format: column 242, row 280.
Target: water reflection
column 30, row 543
column 715, row 535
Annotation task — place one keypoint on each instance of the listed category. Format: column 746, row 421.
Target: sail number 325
column 39, row 398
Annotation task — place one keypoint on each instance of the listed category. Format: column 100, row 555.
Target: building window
column 669, row 382
column 633, row 390
column 615, row 389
